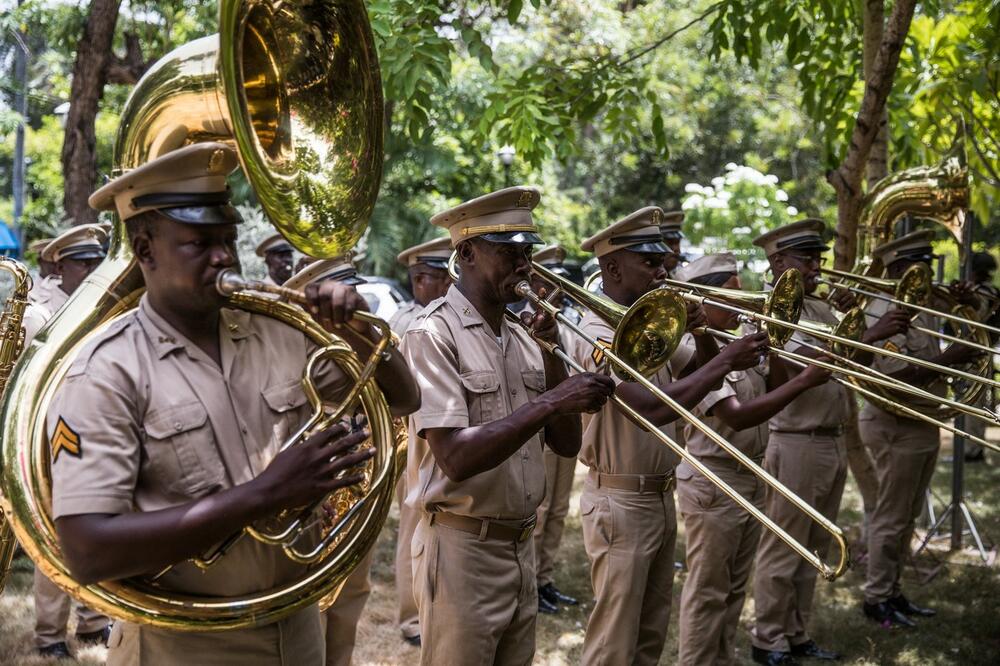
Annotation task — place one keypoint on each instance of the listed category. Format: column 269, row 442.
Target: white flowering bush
column 727, row 214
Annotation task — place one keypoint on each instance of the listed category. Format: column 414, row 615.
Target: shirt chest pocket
column 482, row 388
column 285, row 401
column 180, row 447
column 534, row 382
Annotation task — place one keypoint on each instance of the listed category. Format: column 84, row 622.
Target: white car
column 384, row 296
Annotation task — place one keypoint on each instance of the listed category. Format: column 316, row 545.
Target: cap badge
column 524, row 201
column 657, row 216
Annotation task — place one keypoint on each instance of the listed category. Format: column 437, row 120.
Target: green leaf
column 514, row 10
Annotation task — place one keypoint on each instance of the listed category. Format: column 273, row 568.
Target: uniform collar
column 467, row 312
column 233, row 324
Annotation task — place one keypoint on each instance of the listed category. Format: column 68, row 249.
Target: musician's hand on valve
column 842, row 299
column 957, row 354
column 333, row 304
column 586, row 392
column 964, row 292
column 894, row 322
column 746, row 352
column 314, row 468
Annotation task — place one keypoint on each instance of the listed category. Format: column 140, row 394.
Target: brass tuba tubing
column 690, row 293
column 827, row 571
column 802, row 361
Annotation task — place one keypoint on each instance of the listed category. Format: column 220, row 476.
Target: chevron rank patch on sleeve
column 890, row 346
column 599, row 348
column 65, row 439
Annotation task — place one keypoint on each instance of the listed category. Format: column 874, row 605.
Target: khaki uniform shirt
column 611, row 443
column 145, row 420
column 467, row 378
column 44, row 300
column 823, row 406
column 913, row 343
column 744, row 385
column 403, row 317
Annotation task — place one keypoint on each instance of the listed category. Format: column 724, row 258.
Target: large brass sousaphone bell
column 295, row 87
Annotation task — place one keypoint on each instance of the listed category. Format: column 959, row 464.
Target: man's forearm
column 101, row 547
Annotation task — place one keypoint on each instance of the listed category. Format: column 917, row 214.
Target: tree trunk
column 79, row 157
column 873, row 13
column 846, row 178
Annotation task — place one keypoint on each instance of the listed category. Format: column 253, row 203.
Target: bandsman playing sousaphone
column 491, row 401
column 165, row 434
column 904, row 449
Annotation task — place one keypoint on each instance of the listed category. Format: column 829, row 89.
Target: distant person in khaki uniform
column 427, row 265
column 721, row 537
column 341, row 619
column 807, row 453
column 670, row 226
column 627, row 505
column 76, row 253
column 559, row 470
column 277, row 254
column 905, row 450
column 166, row 431
column 491, row 401
column 45, row 267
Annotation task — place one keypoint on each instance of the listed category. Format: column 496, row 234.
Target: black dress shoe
column 551, row 594
column 903, row 605
column 413, row 640
column 813, row 651
column 887, row 616
column 99, row 637
column 773, row 657
column 55, row 651
column 546, row 607
column 977, row 456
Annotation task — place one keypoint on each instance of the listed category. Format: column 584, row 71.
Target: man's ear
column 778, row 265
column 143, row 250
column 57, row 268
column 466, row 252
column 610, row 270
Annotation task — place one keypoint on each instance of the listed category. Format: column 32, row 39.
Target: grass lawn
column 965, row 592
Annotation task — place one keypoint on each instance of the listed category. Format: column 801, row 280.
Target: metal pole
column 958, row 454
column 21, row 107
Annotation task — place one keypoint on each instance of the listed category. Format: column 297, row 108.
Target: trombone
column 911, row 291
column 697, row 293
column 623, row 337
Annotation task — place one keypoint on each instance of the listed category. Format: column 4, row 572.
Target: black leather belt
column 831, row 431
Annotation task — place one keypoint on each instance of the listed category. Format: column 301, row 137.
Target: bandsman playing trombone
column 165, row 435
column 491, row 401
column 904, row 449
column 627, row 506
column 807, row 453
column 721, row 537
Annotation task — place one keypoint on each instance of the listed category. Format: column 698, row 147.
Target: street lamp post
column 506, row 155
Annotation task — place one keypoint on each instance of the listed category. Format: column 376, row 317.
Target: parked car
column 384, row 295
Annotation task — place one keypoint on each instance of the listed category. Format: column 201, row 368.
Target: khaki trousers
column 477, row 598
column 407, row 615
column 860, row 463
column 52, row 613
column 721, row 542
column 630, row 539
column 294, row 641
column 815, row 469
column 905, row 452
column 552, row 512
column 341, row 619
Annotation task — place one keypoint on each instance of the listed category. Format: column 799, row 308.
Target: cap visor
column 202, row 214
column 442, row 264
column 648, row 248
column 84, row 255
column 354, row 280
column 521, row 237
column 926, row 255
column 672, row 235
